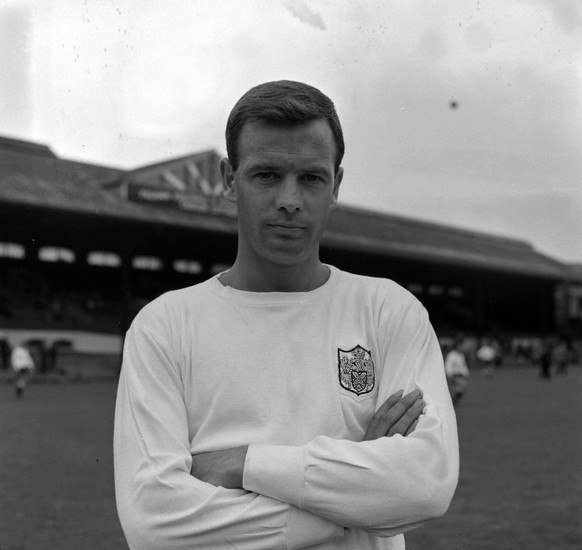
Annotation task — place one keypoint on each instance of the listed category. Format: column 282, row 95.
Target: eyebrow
column 266, row 166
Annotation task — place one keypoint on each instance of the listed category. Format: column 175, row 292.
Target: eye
column 312, row 178
column 266, row 177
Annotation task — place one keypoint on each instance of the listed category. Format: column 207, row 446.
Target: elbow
column 430, row 502
column 438, row 483
column 436, row 505
column 434, row 501
column 416, row 510
column 407, row 509
column 135, row 527
column 144, row 524
column 144, row 532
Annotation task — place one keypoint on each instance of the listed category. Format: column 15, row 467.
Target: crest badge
column 356, row 370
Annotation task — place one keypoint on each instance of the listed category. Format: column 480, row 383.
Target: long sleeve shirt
column 297, row 377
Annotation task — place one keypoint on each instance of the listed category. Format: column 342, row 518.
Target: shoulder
column 378, row 288
column 378, row 298
column 174, row 304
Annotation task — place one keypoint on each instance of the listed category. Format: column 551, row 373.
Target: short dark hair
column 286, row 102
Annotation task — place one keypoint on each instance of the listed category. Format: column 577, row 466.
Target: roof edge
column 14, row 145
column 450, row 229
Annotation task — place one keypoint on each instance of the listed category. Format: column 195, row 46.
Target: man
column 487, row 357
column 283, row 403
column 23, row 367
column 457, row 370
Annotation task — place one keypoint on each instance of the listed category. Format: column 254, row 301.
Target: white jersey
column 21, row 359
column 486, row 353
column 297, row 377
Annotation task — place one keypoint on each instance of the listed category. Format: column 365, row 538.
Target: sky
column 466, row 113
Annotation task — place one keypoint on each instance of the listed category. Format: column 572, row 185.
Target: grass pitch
column 520, row 484
column 56, row 468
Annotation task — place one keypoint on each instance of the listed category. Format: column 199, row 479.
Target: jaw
column 283, row 266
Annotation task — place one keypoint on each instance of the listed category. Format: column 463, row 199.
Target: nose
column 289, row 196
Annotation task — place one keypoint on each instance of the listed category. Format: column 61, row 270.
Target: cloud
column 305, row 14
column 567, row 14
column 149, row 80
column 15, row 83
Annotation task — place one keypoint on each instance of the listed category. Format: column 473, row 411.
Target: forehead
column 264, row 139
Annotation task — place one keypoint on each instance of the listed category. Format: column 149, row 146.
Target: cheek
column 245, row 204
column 324, row 207
column 250, row 212
column 253, row 200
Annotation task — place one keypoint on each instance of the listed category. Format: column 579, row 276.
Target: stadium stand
column 83, row 247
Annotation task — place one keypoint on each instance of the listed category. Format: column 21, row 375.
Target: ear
column 336, row 185
column 228, row 182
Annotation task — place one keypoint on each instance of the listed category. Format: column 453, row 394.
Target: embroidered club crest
column 356, row 370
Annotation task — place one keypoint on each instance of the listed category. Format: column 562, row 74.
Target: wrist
column 238, row 466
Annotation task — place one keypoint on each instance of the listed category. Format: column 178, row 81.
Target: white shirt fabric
column 297, row 376
column 21, row 359
column 486, row 353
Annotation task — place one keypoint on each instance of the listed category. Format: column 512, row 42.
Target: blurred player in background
column 23, row 367
column 487, row 356
column 457, row 370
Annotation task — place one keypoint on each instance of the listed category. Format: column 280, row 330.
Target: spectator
column 487, row 357
column 457, row 371
column 23, row 366
column 546, row 354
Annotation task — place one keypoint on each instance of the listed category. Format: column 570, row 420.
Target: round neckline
column 231, row 293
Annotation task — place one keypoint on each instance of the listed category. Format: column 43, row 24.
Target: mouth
column 287, row 226
column 287, row 231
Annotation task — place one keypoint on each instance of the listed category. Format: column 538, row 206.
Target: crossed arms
column 398, row 415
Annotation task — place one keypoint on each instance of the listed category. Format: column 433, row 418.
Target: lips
column 288, row 231
column 286, row 225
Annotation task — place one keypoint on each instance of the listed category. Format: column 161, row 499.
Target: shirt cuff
column 276, row 471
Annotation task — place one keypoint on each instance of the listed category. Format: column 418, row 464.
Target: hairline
column 288, row 124
column 299, row 104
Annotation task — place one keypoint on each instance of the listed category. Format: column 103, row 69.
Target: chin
column 288, row 257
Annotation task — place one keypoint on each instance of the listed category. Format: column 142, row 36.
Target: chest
column 307, row 373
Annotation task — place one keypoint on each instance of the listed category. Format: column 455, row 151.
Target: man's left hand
column 221, row 468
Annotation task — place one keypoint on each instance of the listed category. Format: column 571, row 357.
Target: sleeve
column 388, row 485
column 160, row 504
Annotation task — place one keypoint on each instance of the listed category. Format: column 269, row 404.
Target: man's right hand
column 398, row 415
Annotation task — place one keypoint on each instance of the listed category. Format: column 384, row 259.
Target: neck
column 276, row 278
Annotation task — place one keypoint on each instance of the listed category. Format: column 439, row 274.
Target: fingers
column 397, row 415
column 390, row 402
column 412, row 427
column 408, row 419
column 375, row 427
